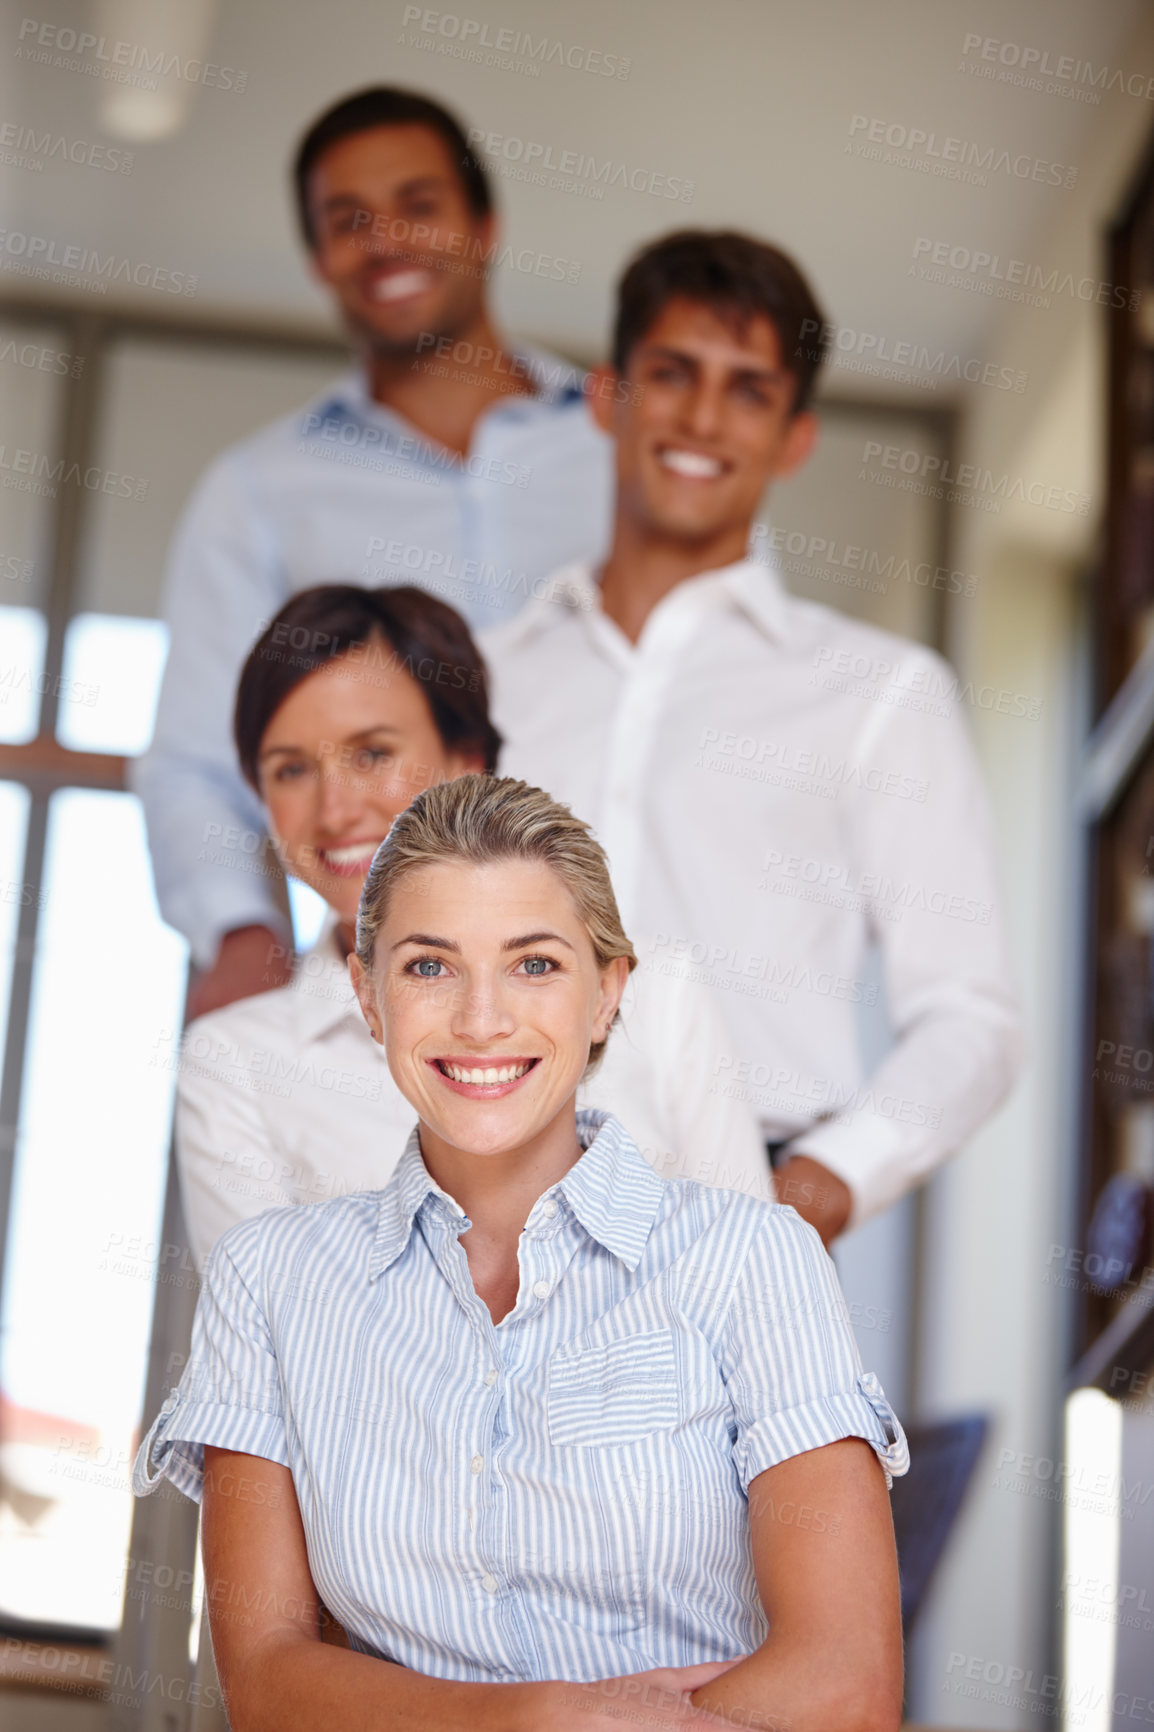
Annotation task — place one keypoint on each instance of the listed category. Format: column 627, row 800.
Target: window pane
column 86, row 1209
column 23, row 634
column 112, row 669
column 309, row 913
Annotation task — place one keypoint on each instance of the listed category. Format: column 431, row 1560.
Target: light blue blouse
column 563, row 1495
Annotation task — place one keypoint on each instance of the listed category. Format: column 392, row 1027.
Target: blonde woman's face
column 486, row 995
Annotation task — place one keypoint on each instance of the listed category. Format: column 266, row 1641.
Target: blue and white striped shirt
column 562, row 1495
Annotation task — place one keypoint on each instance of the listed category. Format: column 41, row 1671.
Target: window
column 92, row 982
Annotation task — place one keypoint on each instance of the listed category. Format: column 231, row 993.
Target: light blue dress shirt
column 563, row 1495
column 342, row 491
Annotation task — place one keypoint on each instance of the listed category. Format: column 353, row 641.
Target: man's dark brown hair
column 386, row 105
column 425, row 638
column 736, row 277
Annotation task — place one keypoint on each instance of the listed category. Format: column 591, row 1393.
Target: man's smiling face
column 708, row 425
column 395, row 237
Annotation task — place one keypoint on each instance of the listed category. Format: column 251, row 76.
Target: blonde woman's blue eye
column 427, row 967
column 537, row 965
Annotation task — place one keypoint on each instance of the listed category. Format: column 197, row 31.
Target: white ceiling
column 750, row 99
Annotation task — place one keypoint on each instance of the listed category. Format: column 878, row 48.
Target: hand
column 818, row 1195
column 658, row 1700
column 250, row 960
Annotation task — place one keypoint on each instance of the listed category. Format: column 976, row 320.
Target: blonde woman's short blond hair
column 480, row 819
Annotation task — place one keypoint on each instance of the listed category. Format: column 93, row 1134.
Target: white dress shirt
column 777, row 786
column 342, row 491
column 563, row 1494
column 286, row 1097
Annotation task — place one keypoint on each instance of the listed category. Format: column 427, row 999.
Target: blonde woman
column 529, row 1419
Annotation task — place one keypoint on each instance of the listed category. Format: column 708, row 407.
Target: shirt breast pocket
column 615, row 1393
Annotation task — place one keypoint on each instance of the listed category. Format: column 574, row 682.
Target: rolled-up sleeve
column 230, row 1394
column 790, row 1362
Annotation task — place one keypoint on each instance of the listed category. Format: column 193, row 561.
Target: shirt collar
column 401, row 1201
column 555, row 382
column 754, row 586
column 757, row 588
column 612, row 1191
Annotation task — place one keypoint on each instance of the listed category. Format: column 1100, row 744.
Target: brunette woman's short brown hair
column 423, row 637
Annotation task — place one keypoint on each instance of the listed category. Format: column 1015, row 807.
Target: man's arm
column 927, row 866
column 205, row 827
column 250, row 960
column 818, row 1195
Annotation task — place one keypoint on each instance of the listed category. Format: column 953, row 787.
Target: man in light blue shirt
column 447, row 460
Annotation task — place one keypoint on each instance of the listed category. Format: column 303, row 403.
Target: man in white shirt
column 446, row 460
column 779, row 788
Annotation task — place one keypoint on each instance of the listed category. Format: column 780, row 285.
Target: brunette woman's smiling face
column 349, row 748
column 486, row 994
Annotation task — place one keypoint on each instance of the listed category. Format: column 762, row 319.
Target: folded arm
column 823, row 1550
column 281, row 1670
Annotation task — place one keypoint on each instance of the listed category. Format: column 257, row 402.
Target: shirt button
column 489, row 1583
column 490, row 1378
column 169, row 1404
column 541, row 1289
column 549, row 1209
column 477, row 1463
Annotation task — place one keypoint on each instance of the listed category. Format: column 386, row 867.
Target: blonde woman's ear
column 613, row 981
column 366, row 998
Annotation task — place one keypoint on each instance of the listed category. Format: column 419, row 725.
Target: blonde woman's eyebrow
column 537, row 938
column 432, row 942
